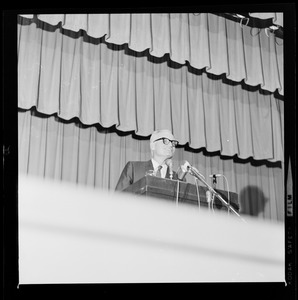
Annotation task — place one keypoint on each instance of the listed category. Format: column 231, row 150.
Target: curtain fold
column 203, row 40
column 111, row 85
column 69, row 151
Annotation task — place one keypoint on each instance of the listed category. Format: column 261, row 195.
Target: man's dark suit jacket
column 134, row 171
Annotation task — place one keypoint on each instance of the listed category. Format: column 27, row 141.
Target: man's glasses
column 166, row 141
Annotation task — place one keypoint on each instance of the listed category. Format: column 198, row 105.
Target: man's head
column 162, row 145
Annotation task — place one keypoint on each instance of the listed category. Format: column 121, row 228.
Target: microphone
column 169, row 163
column 183, row 170
column 188, row 168
column 208, row 196
column 193, row 170
column 215, row 175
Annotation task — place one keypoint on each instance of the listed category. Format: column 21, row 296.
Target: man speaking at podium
column 162, row 146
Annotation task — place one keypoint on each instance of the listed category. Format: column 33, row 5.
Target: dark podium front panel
column 187, row 193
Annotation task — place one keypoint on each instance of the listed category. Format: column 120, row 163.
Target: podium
column 181, row 192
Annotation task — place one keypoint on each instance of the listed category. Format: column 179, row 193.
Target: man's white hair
column 157, row 134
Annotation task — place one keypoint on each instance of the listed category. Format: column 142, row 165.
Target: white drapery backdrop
column 94, row 156
column 111, row 85
column 101, row 101
column 203, row 40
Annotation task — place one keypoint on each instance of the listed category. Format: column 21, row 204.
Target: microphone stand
column 214, row 193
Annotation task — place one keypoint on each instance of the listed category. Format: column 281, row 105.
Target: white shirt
column 163, row 170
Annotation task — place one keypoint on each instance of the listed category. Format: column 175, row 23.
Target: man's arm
column 126, row 177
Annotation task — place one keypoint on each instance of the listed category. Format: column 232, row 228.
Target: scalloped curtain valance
column 204, row 40
column 110, row 85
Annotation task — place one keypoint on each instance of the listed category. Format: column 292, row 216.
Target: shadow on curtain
column 252, row 201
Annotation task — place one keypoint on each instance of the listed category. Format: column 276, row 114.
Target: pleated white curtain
column 111, row 85
column 94, row 94
column 203, row 40
column 91, row 155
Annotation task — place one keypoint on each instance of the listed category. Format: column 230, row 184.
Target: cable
column 198, row 192
column 177, row 194
column 229, row 202
column 212, row 202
